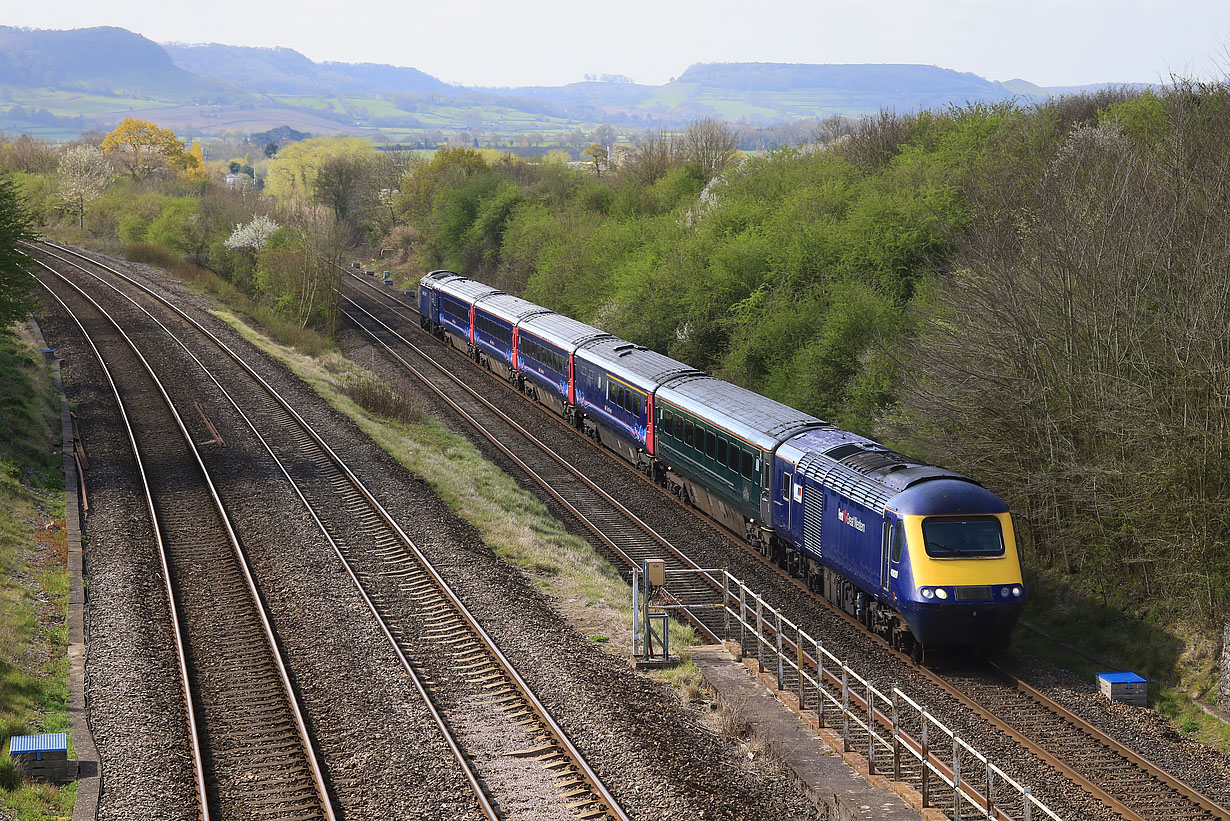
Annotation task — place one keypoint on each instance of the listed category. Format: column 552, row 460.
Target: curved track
column 1119, row 779
column 470, row 688
column 251, row 748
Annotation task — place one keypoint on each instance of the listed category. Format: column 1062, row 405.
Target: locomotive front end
column 958, row 581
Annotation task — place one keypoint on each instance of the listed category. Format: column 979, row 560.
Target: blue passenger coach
column 546, row 344
column 615, row 381
column 496, row 317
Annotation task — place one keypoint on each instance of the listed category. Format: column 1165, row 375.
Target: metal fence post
column 896, row 741
column 990, row 789
column 819, row 683
column 956, row 779
column 871, row 729
column 798, row 660
column 781, row 662
column 1029, row 810
column 926, row 759
column 725, row 606
column 742, row 620
column 759, row 634
column 636, row 611
column 845, row 708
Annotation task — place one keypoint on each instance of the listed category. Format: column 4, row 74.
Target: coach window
column 687, row 432
column 668, row 423
column 710, row 444
column 679, row 428
column 747, row 465
column 733, row 463
column 721, row 451
column 636, row 404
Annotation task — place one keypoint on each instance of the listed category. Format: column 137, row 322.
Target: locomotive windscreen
column 963, row 537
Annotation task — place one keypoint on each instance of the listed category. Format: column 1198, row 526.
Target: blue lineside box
column 43, row 757
column 1127, row 687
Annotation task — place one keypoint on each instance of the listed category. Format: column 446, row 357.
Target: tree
column 195, row 169
column 651, row 157
column 253, row 235
column 142, row 148
column 604, row 134
column 599, row 156
column 710, row 144
column 84, row 174
column 15, row 300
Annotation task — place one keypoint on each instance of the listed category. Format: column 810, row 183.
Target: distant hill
column 286, row 71
column 55, row 84
column 102, row 59
column 881, row 79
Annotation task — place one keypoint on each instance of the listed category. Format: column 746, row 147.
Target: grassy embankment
column 516, row 526
column 33, row 575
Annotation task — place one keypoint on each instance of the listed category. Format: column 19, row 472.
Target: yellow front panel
column 929, row 572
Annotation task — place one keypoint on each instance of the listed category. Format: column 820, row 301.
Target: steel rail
column 538, row 478
column 599, row 789
column 275, row 655
column 1017, row 736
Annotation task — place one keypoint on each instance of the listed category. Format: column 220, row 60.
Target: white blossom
column 253, row 235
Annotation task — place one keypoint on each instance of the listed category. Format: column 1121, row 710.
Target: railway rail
column 1122, row 781
column 463, row 677
column 251, row 749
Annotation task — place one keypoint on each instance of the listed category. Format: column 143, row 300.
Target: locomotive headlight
column 1016, row 591
column 1003, row 592
column 941, row 593
column 927, row 593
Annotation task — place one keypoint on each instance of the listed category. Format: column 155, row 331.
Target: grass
column 1178, row 659
column 591, row 593
column 33, row 577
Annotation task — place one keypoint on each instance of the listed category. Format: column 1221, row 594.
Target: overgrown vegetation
column 1034, row 295
column 33, row 575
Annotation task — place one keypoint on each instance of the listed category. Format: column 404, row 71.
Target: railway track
column 252, row 753
column 485, row 711
column 1117, row 778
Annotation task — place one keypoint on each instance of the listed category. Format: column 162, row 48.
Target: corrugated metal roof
column 748, row 415
column 562, row 330
column 508, row 307
column 639, row 366
column 464, row 289
column 42, row 743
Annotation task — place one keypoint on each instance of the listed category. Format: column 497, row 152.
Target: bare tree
column 710, row 144
column 652, row 156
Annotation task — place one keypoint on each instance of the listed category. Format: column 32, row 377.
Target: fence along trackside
column 894, row 723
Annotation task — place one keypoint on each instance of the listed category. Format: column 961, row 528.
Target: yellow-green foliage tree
column 195, row 171
column 293, row 172
column 142, row 147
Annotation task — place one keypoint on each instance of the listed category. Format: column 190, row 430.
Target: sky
column 551, row 42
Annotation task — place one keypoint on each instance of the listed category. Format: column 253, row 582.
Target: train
column 922, row 556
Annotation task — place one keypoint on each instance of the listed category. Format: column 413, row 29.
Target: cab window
column 898, row 541
column 962, row 537
column 786, row 486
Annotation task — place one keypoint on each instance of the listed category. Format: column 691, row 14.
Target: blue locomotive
column 921, row 555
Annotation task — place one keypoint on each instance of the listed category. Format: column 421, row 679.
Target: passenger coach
column 923, row 556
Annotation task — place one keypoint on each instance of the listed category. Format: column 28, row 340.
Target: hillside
column 286, row 71
column 56, row 84
column 108, row 60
